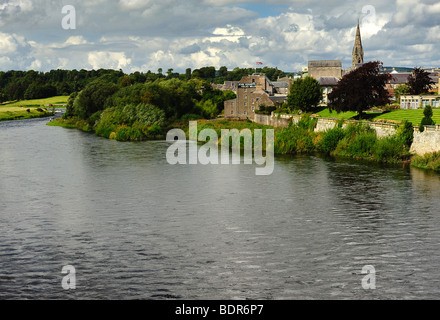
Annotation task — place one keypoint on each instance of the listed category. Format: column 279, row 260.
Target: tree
column 93, row 98
column 188, row 73
column 360, row 90
column 427, row 119
column 419, row 81
column 223, row 71
column 401, row 90
column 305, row 93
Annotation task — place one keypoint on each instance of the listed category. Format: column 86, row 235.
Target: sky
column 142, row 35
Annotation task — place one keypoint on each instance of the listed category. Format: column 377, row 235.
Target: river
column 135, row 227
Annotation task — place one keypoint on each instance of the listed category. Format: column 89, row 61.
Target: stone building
column 325, row 68
column 327, row 84
column 416, row 102
column 252, row 92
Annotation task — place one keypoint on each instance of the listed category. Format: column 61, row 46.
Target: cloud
column 145, row 35
column 108, row 60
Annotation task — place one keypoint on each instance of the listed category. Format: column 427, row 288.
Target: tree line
column 25, row 85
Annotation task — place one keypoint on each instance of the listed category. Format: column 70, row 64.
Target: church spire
column 358, row 51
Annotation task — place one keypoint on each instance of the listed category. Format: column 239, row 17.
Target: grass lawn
column 59, row 100
column 27, row 109
column 343, row 115
column 414, row 116
column 20, row 113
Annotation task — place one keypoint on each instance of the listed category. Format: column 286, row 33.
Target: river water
column 135, row 227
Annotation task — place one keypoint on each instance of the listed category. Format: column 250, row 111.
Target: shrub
column 191, row 116
column 293, row 140
column 405, row 133
column 307, row 123
column 390, row 149
column 154, row 131
column 94, row 118
column 331, row 139
column 428, row 161
column 427, row 119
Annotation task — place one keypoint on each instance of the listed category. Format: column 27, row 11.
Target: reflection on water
column 135, row 227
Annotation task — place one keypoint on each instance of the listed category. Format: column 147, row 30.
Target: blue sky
column 142, row 35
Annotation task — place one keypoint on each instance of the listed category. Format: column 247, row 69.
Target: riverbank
column 21, row 113
column 355, row 141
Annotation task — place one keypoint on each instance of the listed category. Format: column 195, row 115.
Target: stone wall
column 427, row 141
column 424, row 142
column 281, row 122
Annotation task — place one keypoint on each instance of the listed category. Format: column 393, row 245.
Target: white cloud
column 108, row 60
column 145, row 34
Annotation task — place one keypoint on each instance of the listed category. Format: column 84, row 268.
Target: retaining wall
column 424, row 142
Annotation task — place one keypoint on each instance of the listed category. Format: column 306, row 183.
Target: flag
column 259, row 63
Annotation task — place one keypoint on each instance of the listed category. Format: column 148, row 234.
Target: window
column 245, row 104
column 245, row 96
column 253, row 109
column 232, row 111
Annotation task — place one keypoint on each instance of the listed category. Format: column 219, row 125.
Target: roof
column 328, row 81
column 399, row 78
column 278, row 98
column 280, row 84
column 325, row 63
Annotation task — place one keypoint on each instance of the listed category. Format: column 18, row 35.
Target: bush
column 191, row 116
column 293, row 140
column 405, row 133
column 427, row 119
column 94, row 118
column 331, row 139
column 428, row 161
column 307, row 123
column 390, row 149
column 362, row 144
column 154, row 131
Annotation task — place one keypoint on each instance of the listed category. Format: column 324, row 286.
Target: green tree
column 305, row 94
column 401, row 90
column 360, row 90
column 93, row 98
column 427, row 119
column 419, row 82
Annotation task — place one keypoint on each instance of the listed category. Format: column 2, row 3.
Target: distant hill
column 398, row 69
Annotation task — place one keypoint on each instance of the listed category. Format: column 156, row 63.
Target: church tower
column 358, row 51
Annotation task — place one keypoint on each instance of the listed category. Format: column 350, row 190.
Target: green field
column 20, row 113
column 59, row 100
column 343, row 115
column 414, row 116
column 27, row 109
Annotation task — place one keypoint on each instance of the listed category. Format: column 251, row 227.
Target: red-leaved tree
column 360, row 89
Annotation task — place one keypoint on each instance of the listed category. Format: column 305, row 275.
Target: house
column 419, row 101
column 402, row 78
column 327, row 84
column 396, row 80
column 252, row 92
